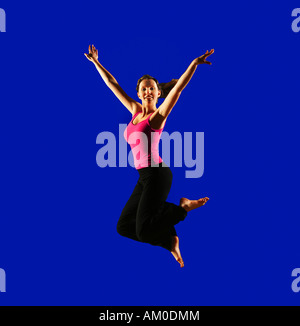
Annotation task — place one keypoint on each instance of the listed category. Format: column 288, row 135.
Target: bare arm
column 168, row 104
column 111, row 82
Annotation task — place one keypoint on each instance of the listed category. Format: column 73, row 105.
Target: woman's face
column 148, row 91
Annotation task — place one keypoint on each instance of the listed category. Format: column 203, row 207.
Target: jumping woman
column 147, row 216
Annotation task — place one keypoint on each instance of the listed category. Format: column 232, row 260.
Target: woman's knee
column 145, row 235
column 121, row 228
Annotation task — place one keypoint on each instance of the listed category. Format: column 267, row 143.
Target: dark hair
column 165, row 88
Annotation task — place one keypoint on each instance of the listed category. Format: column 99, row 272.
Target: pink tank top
column 143, row 140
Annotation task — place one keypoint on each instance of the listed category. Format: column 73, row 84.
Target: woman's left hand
column 202, row 58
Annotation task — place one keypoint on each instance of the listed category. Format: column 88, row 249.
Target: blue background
column 59, row 210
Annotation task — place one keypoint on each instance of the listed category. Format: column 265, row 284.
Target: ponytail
column 166, row 87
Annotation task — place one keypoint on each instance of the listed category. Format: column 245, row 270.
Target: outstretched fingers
column 207, row 54
column 93, row 53
column 92, row 49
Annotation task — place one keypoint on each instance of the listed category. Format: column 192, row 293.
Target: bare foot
column 176, row 252
column 188, row 205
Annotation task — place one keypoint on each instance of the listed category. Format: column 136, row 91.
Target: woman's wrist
column 196, row 62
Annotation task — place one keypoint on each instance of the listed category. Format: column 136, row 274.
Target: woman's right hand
column 202, row 58
column 93, row 54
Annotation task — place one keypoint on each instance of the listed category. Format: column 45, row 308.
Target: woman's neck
column 147, row 109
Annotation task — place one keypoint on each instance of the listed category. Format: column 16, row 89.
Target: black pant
column 147, row 217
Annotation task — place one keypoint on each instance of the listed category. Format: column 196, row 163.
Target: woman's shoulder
column 157, row 121
column 137, row 108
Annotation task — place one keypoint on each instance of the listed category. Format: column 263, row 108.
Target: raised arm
column 111, row 82
column 168, row 104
